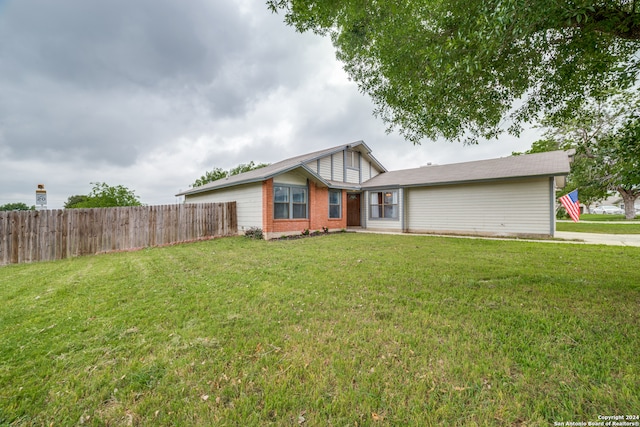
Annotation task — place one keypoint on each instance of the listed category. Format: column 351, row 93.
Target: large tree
column 74, row 201
column 458, row 68
column 210, row 176
column 103, row 195
column 620, row 164
column 606, row 137
column 219, row 173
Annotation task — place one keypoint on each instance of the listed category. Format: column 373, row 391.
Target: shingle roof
column 267, row 172
column 553, row 163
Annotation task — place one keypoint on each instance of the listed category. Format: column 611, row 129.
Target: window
column 384, row 204
column 335, row 204
column 289, row 202
column 353, row 160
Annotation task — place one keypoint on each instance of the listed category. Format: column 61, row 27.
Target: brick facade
column 318, row 208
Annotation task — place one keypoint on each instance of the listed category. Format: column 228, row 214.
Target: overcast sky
column 150, row 94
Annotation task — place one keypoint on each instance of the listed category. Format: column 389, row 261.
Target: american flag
column 571, row 204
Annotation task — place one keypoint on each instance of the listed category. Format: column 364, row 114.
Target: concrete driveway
column 599, row 239
column 560, row 237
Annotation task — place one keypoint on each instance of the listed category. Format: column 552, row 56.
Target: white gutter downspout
column 404, row 210
column 552, row 205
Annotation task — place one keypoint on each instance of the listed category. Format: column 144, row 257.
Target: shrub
column 254, row 233
column 562, row 214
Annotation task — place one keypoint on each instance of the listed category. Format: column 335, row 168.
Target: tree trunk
column 629, row 197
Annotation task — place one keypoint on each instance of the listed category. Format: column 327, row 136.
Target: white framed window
column 383, row 204
column 289, row 202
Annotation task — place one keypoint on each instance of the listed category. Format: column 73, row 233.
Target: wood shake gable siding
column 495, row 208
column 248, row 200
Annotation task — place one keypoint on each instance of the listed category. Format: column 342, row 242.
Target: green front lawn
column 598, row 217
column 347, row 329
column 584, row 227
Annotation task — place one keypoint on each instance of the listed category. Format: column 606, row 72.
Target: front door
column 353, row 210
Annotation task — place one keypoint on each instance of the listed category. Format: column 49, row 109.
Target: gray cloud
column 107, row 80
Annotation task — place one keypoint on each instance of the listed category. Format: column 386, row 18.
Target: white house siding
column 291, row 178
column 313, row 165
column 368, row 170
column 353, row 176
column 248, row 200
column 500, row 208
column 382, row 224
column 325, row 168
column 338, row 167
column 332, row 168
column 365, row 170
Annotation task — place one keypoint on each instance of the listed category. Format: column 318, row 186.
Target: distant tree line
column 219, row 173
column 16, row 207
column 104, row 196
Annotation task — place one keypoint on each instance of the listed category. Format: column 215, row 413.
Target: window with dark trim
column 384, row 204
column 289, row 202
column 335, row 204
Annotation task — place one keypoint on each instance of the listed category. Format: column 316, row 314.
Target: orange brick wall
column 267, row 206
column 318, row 212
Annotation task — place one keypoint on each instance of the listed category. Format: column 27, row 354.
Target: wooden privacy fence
column 27, row 236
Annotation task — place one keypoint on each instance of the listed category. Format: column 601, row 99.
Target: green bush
column 254, row 233
column 561, row 213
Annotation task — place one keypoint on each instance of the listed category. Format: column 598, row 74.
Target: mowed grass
column 601, row 228
column 347, row 329
column 603, row 217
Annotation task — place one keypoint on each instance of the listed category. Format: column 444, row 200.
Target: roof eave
column 198, row 190
column 345, row 186
column 262, row 178
column 312, row 173
column 460, row 182
column 371, row 156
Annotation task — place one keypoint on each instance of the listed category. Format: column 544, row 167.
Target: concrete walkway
column 568, row 237
column 602, row 239
column 598, row 239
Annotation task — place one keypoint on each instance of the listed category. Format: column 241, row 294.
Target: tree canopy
column 73, row 201
column 219, row 173
column 460, row 69
column 103, row 195
column 606, row 137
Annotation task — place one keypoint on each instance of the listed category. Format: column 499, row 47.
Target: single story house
column 346, row 186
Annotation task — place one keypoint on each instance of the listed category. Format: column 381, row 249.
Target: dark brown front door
column 353, row 210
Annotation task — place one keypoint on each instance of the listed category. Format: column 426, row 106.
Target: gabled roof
column 258, row 175
column 553, row 163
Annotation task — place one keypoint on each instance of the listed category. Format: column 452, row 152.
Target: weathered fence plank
column 28, row 236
